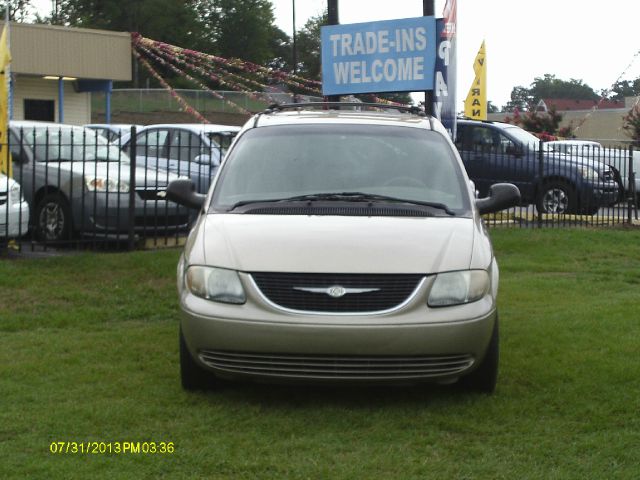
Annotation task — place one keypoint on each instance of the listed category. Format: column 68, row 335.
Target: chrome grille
column 337, row 367
column 290, row 291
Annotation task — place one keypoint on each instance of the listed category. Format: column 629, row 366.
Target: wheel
column 556, row 197
column 192, row 375
column 53, row 218
column 484, row 378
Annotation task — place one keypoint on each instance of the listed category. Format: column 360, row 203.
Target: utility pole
column 332, row 11
column 295, row 52
column 428, row 10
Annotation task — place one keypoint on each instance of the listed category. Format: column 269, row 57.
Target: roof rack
column 278, row 107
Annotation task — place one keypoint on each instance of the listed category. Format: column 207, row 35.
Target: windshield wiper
column 348, row 197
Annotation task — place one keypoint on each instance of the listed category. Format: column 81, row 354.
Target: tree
column 240, row 29
column 308, row 47
column 281, row 50
column 171, row 21
column 631, row 124
column 19, row 10
column 521, row 99
column 548, row 86
column 624, row 88
column 545, row 125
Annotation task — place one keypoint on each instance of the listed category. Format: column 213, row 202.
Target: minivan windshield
column 70, row 144
column 332, row 162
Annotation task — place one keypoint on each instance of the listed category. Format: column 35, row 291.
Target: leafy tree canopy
column 171, row 21
column 308, row 47
column 624, row 88
column 548, row 86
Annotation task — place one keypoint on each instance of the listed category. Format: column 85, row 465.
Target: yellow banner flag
column 5, row 60
column 475, row 105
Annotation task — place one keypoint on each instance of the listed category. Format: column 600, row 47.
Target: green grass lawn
column 89, row 352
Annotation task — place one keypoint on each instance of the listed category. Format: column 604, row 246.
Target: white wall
column 77, row 106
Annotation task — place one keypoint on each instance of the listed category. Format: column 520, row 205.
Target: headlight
column 98, row 184
column 589, row 174
column 455, row 288
column 217, row 284
column 15, row 195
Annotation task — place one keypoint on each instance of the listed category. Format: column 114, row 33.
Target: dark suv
column 495, row 152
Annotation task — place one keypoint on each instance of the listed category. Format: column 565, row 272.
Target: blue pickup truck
column 495, row 152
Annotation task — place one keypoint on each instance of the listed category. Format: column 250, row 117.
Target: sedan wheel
column 54, row 219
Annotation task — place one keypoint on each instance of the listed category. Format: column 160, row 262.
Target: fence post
column 133, row 153
column 540, row 182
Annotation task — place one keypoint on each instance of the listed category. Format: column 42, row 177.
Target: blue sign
column 386, row 56
column 444, row 89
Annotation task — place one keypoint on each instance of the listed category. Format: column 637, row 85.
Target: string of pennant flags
column 203, row 69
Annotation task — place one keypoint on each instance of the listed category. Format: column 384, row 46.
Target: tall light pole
column 295, row 52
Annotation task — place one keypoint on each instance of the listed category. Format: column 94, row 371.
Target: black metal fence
column 563, row 184
column 71, row 188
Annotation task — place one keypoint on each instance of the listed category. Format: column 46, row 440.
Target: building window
column 43, row 110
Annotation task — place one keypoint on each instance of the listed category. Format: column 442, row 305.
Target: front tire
column 557, row 197
column 484, row 378
column 53, row 218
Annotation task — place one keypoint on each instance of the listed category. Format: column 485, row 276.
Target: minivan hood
column 292, row 243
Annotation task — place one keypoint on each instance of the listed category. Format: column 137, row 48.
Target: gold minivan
column 340, row 246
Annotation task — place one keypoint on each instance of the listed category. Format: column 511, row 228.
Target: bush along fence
column 71, row 188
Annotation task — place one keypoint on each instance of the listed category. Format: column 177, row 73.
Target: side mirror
column 501, row 196
column 183, row 192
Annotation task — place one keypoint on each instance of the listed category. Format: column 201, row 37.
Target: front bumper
column 14, row 220
column 256, row 341
column 109, row 214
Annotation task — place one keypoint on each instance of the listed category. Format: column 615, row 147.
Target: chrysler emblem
column 335, row 291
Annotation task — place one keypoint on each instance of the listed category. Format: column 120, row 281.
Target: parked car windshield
column 54, row 144
column 280, row 162
column 525, row 138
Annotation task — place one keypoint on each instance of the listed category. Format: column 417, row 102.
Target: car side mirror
column 183, row 192
column 501, row 196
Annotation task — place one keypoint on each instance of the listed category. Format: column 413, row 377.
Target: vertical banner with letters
column 5, row 61
column 475, row 105
column 444, row 88
column 385, row 56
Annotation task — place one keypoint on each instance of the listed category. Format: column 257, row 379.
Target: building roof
column 567, row 104
column 70, row 52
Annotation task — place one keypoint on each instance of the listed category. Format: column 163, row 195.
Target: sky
column 572, row 39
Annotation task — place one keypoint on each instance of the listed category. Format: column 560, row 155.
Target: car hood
column 578, row 160
column 253, row 243
column 114, row 170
